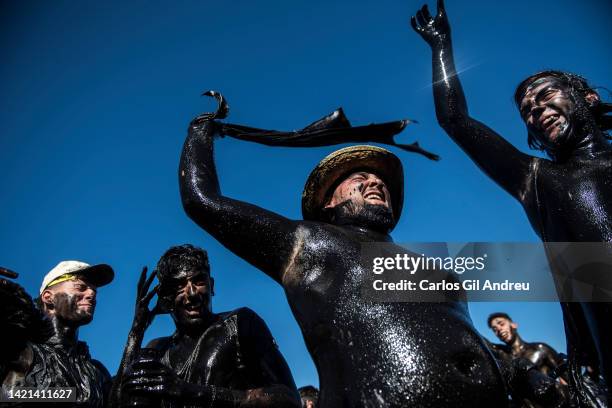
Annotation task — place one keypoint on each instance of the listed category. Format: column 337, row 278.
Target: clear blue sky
column 96, row 98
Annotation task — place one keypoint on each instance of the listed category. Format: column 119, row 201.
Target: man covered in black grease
column 367, row 354
column 213, row 359
column 567, row 198
column 39, row 357
column 544, row 357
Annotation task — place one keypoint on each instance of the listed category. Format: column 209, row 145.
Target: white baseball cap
column 98, row 275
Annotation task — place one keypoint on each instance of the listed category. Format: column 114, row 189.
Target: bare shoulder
column 313, row 243
column 544, row 347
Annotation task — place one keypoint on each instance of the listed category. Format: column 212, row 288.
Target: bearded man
column 68, row 300
column 367, row 354
column 567, row 198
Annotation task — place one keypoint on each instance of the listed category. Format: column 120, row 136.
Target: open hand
column 143, row 316
column 434, row 30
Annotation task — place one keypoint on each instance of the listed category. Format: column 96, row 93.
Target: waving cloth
column 330, row 130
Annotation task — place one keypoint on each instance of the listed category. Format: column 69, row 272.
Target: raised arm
column 261, row 237
column 501, row 161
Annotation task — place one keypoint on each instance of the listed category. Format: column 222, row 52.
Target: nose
column 89, row 294
column 190, row 289
column 374, row 180
column 537, row 110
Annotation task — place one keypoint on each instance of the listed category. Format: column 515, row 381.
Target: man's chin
column 83, row 317
column 377, row 203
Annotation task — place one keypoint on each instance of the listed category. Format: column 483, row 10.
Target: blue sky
column 96, row 98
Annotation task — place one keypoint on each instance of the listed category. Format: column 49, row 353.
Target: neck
column 517, row 344
column 194, row 331
column 591, row 146
column 63, row 333
column 369, row 234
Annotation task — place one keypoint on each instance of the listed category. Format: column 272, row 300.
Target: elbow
column 192, row 205
column 453, row 124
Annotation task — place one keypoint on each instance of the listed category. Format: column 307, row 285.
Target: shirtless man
column 544, row 357
column 213, row 359
column 567, row 198
column 367, row 354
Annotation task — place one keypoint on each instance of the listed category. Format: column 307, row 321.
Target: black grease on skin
column 67, row 310
column 568, row 199
column 62, row 360
column 226, row 358
column 367, row 354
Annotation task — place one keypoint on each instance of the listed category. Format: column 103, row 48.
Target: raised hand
column 434, row 30
column 143, row 316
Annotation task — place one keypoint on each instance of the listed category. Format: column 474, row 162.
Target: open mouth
column 193, row 309
column 374, row 195
column 548, row 122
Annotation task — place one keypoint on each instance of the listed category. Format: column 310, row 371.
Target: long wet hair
column 580, row 88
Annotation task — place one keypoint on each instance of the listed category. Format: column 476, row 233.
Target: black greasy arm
column 501, row 161
column 268, row 370
column 261, row 237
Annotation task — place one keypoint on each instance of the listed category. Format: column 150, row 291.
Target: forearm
column 198, row 181
column 132, row 346
column 450, row 103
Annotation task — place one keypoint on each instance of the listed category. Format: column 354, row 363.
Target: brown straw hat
column 343, row 162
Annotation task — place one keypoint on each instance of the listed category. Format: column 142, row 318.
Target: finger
column 426, row 13
column 421, row 18
column 158, row 309
column 8, row 273
column 441, row 9
column 144, row 382
column 144, row 373
column 147, row 362
column 147, row 390
column 148, row 282
column 141, row 280
column 414, row 25
column 150, row 295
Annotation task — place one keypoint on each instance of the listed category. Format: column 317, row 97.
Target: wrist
column 441, row 41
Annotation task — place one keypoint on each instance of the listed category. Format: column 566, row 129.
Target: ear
column 514, row 325
column 47, row 299
column 330, row 203
column 592, row 98
column 212, row 286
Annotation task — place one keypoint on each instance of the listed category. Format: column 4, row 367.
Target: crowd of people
column 212, row 359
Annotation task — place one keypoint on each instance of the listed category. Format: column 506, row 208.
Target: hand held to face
column 143, row 316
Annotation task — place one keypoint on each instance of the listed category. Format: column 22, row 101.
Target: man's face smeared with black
column 504, row 329
column 72, row 301
column 362, row 199
column 192, row 291
column 549, row 111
